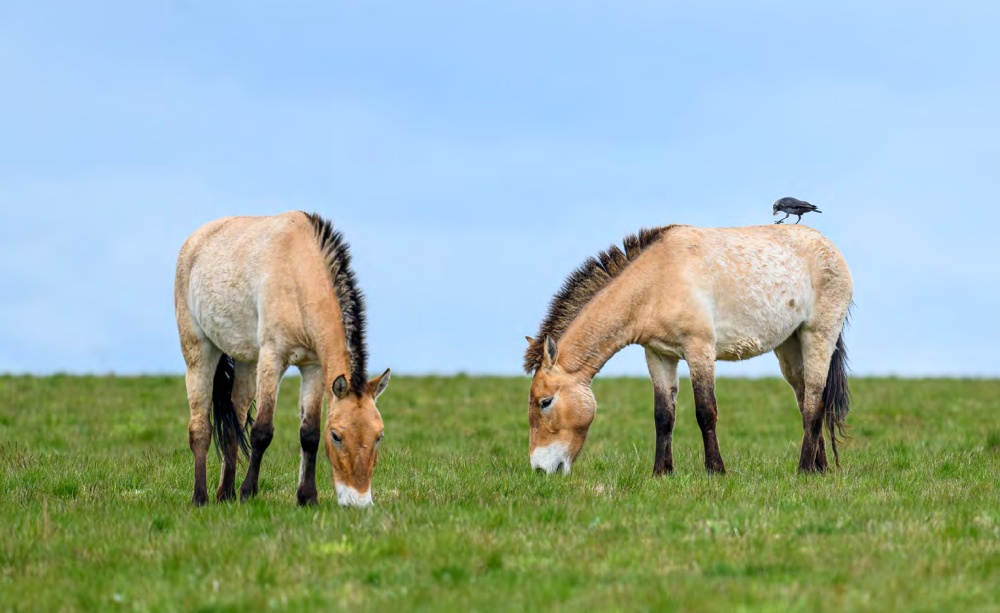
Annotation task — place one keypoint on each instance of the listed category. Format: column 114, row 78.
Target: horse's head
column 352, row 435
column 561, row 407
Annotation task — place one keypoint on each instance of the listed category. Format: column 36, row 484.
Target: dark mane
column 582, row 285
column 352, row 302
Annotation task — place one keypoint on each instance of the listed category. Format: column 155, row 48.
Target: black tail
column 225, row 421
column 837, row 396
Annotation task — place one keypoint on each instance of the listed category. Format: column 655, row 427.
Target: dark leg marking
column 260, row 439
column 664, row 414
column 200, row 497
column 821, row 464
column 812, row 426
column 707, row 413
column 227, row 487
column 309, row 437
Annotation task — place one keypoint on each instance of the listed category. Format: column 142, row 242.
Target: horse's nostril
column 539, row 470
column 560, row 467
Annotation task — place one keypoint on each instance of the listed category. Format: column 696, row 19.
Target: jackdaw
column 793, row 206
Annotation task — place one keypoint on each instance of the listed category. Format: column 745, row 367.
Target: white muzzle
column 551, row 459
column 350, row 497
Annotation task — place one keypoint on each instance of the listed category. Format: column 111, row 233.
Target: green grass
column 95, row 483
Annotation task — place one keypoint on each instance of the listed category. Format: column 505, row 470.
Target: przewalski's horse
column 700, row 295
column 254, row 295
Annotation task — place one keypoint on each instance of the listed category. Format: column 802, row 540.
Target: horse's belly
column 759, row 326
column 233, row 336
column 229, row 320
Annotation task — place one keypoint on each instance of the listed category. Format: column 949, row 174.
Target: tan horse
column 253, row 296
column 700, row 295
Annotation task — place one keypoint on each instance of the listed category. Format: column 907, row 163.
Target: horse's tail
column 837, row 396
column 225, row 421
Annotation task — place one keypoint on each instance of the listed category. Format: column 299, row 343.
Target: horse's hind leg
column 244, row 390
column 702, row 366
column 310, row 410
column 817, row 349
column 201, row 358
column 789, row 356
column 270, row 367
column 663, row 372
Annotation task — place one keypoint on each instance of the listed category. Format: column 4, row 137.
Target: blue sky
column 475, row 152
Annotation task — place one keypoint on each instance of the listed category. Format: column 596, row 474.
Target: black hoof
column 307, row 497
column 715, row 469
column 662, row 469
column 247, row 493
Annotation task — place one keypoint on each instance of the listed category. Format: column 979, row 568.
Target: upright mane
column 582, row 285
column 352, row 302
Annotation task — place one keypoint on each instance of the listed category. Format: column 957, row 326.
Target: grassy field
column 95, row 483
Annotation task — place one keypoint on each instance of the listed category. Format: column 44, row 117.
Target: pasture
column 96, row 477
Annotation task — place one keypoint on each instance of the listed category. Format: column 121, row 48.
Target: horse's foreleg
column 244, row 390
column 269, row 370
column 706, row 410
column 663, row 372
column 310, row 409
column 201, row 363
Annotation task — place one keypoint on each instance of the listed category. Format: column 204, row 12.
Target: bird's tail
column 817, row 211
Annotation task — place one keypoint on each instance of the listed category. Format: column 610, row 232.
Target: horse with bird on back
column 699, row 295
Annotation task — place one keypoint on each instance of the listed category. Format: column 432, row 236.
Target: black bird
column 793, row 206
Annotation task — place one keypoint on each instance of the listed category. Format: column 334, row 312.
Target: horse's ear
column 530, row 340
column 550, row 352
column 340, row 387
column 379, row 383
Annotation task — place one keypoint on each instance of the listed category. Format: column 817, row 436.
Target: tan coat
column 700, row 295
column 272, row 292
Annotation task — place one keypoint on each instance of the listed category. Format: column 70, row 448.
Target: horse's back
column 224, row 271
column 755, row 286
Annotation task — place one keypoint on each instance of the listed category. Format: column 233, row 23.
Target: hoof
column 307, row 497
column 246, row 493
column 659, row 471
column 715, row 469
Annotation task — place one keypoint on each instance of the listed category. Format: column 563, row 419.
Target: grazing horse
column 699, row 295
column 253, row 296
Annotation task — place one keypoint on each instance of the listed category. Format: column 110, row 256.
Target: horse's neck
column 603, row 328
column 331, row 347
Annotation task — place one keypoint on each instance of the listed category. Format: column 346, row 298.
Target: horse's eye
column 380, row 437
column 545, row 403
column 336, row 438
